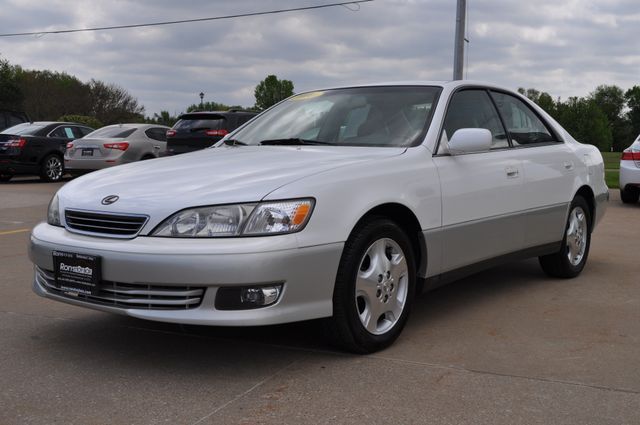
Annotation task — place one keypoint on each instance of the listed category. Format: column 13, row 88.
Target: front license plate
column 87, row 152
column 76, row 273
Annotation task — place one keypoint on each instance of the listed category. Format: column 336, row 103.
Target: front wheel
column 374, row 288
column 569, row 261
column 52, row 168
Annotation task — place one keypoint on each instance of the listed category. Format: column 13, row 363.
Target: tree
column 164, row 118
column 212, row 106
column 112, row 104
column 271, row 91
column 11, row 95
column 632, row 96
column 542, row 99
column 82, row 119
column 585, row 121
column 611, row 100
column 48, row 95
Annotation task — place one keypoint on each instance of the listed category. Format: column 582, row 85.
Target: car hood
column 160, row 187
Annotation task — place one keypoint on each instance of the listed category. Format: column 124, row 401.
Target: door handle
column 512, row 172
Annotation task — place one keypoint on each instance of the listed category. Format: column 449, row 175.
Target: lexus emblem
column 110, row 199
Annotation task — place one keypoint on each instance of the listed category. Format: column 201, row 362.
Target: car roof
column 222, row 113
column 452, row 84
column 135, row 125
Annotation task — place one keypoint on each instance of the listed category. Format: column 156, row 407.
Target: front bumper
column 308, row 274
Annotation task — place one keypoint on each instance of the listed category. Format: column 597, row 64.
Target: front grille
column 113, row 225
column 131, row 295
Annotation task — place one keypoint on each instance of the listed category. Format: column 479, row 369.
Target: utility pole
column 458, row 52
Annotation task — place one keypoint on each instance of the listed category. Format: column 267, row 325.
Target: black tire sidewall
column 344, row 293
column 43, row 168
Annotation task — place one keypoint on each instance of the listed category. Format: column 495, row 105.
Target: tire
column 629, row 196
column 5, row 177
column 374, row 289
column 569, row 261
column 52, row 168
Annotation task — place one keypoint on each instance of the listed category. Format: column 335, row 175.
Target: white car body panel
column 467, row 209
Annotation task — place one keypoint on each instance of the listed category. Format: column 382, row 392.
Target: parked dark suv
column 199, row 130
column 11, row 118
column 37, row 148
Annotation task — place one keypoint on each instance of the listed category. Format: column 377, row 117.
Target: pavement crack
column 245, row 393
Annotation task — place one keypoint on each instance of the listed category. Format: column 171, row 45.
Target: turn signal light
column 15, row 143
column 631, row 156
column 121, row 146
column 221, row 133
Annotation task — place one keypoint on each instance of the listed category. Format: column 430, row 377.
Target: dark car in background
column 199, row 130
column 37, row 148
column 10, row 118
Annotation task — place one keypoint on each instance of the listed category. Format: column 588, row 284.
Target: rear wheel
column 52, row 168
column 5, row 177
column 569, row 261
column 630, row 195
column 374, row 288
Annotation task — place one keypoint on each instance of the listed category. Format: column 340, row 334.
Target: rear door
column 550, row 168
column 481, row 192
column 196, row 131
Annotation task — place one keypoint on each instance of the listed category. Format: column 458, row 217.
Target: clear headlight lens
column 238, row 220
column 279, row 217
column 53, row 213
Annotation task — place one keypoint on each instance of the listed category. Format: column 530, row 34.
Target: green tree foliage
column 163, row 118
column 112, row 104
column 632, row 96
column 611, row 100
column 543, row 99
column 11, row 96
column 585, row 121
column 271, row 91
column 82, row 119
column 49, row 95
column 212, row 106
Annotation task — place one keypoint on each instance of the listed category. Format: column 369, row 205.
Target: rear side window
column 64, row 132
column 194, row 124
column 524, row 126
column 82, row 131
column 116, row 132
column 159, row 134
column 474, row 109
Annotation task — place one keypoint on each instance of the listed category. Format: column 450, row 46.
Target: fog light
column 248, row 297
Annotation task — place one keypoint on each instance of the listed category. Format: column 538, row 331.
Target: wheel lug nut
column 379, row 278
column 378, row 293
column 388, row 274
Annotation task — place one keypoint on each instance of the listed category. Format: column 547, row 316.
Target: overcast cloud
column 564, row 47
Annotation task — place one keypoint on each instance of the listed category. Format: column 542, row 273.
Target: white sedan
column 630, row 173
column 339, row 204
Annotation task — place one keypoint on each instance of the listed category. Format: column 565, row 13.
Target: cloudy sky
column 565, row 47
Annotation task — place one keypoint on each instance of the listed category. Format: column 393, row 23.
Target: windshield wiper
column 234, row 142
column 294, row 141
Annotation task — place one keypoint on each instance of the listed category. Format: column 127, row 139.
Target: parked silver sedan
column 115, row 145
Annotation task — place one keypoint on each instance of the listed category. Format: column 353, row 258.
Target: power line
column 184, row 21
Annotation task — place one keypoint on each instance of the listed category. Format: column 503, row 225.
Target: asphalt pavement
column 505, row 346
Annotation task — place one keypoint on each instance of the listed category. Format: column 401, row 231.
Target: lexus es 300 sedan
column 338, row 204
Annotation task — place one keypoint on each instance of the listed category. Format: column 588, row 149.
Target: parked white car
column 630, row 173
column 338, row 204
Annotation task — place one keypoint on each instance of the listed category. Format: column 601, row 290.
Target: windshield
column 364, row 116
column 24, row 129
column 115, row 132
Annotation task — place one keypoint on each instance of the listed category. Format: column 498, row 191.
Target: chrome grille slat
column 104, row 224
column 131, row 295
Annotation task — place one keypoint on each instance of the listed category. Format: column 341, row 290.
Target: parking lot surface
column 506, row 346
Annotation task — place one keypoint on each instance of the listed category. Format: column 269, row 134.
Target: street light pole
column 201, row 99
column 458, row 53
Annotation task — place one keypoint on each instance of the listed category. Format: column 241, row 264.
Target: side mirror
column 470, row 140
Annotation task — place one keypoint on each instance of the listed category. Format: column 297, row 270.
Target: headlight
column 53, row 214
column 238, row 220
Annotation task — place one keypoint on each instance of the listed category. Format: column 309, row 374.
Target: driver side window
column 474, row 109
